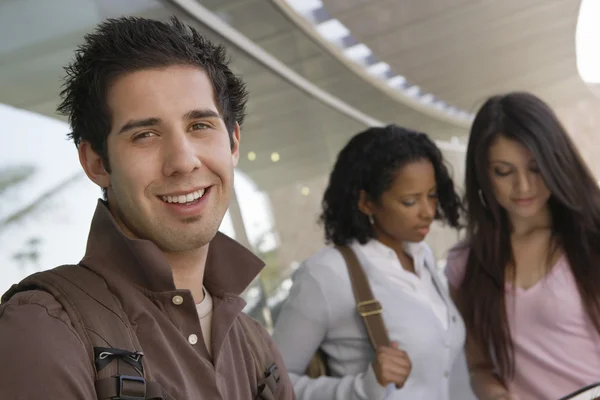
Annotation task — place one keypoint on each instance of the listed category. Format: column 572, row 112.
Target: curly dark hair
column 369, row 162
column 124, row 45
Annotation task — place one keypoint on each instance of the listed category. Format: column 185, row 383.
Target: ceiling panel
column 305, row 132
column 309, row 58
column 463, row 51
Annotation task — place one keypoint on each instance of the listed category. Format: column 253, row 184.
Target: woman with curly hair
column 387, row 187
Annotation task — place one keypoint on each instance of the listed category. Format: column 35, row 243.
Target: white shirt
column 205, row 309
column 420, row 285
column 321, row 312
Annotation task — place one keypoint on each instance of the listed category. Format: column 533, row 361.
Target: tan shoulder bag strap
column 366, row 305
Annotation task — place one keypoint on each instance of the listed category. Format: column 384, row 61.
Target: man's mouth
column 188, row 198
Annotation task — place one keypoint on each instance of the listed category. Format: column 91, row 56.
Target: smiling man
column 153, row 309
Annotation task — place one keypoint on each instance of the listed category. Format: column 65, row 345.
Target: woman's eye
column 408, row 203
column 433, row 195
column 502, row 172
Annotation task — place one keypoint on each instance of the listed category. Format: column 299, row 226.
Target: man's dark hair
column 369, row 162
column 124, row 45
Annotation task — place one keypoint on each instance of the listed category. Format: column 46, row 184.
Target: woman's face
column 516, row 180
column 406, row 210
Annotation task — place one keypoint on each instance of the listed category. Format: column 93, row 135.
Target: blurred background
column 318, row 72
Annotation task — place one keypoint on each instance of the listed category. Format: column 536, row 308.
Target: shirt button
column 446, row 374
column 193, row 339
column 177, row 300
column 454, row 318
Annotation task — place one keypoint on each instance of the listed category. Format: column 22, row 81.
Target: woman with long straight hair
column 527, row 277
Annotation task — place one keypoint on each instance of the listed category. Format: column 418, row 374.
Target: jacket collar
column 230, row 267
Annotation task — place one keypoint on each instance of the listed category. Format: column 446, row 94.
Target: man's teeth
column 184, row 198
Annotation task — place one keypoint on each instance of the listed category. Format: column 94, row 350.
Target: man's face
column 171, row 157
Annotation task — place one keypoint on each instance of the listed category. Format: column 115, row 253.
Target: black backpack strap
column 98, row 318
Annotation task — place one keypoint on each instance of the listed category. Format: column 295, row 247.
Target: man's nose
column 180, row 155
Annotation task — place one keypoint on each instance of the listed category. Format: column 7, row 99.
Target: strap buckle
column 136, row 391
column 365, row 313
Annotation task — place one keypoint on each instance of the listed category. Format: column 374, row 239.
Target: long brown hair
column 575, row 211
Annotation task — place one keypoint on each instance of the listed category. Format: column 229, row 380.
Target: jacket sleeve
column 42, row 356
column 300, row 330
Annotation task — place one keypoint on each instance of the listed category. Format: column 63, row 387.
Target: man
column 155, row 113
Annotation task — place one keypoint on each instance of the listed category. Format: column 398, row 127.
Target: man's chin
column 181, row 242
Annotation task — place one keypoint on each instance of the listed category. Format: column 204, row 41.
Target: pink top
column 557, row 349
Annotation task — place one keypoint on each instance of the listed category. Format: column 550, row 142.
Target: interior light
column 358, row 52
column 275, row 157
column 305, row 191
column 251, row 156
column 305, row 6
column 413, row 91
column 440, row 105
column 333, row 30
column 586, row 41
column 379, row 69
column 397, row 81
column 428, row 98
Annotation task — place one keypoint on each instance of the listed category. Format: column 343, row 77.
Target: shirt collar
column 374, row 249
column 230, row 267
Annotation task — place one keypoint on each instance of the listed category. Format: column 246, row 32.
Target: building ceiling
column 37, row 40
column 463, row 51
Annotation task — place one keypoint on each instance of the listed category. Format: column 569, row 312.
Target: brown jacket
column 41, row 356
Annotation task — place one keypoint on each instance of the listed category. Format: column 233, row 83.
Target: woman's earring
column 482, row 199
column 371, row 220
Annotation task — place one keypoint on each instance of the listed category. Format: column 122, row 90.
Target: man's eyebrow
column 139, row 123
column 201, row 113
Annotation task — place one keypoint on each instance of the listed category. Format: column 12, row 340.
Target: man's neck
column 187, row 267
column 188, row 271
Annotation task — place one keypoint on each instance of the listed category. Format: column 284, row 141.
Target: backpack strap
column 366, row 305
column 264, row 362
column 99, row 320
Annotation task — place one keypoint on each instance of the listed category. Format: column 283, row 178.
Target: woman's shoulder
column 324, row 263
column 456, row 263
column 459, row 252
column 325, row 256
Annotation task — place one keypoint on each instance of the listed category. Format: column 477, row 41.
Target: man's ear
column 92, row 165
column 235, row 149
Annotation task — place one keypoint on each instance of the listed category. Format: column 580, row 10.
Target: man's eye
column 143, row 135
column 199, row 126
